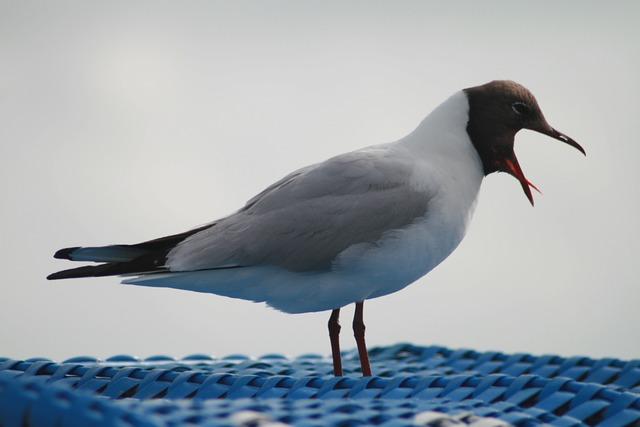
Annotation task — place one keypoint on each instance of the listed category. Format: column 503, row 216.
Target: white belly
column 410, row 254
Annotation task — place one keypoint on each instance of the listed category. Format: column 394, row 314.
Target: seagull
column 357, row 226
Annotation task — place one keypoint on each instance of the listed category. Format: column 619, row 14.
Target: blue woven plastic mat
column 476, row 387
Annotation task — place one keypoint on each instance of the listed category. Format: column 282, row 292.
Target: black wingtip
column 101, row 270
column 86, row 271
column 73, row 273
column 64, row 274
column 65, row 253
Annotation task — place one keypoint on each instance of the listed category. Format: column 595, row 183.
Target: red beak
column 512, row 167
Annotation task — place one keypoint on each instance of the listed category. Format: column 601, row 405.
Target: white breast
column 449, row 169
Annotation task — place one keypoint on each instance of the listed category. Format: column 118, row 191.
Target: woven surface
column 414, row 385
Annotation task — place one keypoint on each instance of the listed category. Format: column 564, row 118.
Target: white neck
column 450, row 161
column 445, row 127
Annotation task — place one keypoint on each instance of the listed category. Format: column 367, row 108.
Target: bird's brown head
column 497, row 111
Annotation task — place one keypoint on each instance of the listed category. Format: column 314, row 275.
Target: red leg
column 358, row 332
column 334, row 336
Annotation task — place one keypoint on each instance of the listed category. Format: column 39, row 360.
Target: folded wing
column 304, row 221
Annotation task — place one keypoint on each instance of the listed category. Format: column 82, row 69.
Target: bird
column 358, row 226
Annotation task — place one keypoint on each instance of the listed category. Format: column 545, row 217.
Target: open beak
column 512, row 167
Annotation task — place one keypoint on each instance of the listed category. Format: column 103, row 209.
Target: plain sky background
column 122, row 121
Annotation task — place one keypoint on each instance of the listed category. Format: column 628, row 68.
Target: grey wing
column 305, row 220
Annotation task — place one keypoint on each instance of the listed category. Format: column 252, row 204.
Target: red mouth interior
column 513, row 168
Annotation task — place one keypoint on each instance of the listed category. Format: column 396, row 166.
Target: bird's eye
column 520, row 108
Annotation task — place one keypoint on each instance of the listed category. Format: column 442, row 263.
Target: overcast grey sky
column 123, row 121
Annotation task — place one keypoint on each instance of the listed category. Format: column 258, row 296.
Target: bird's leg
column 334, row 336
column 358, row 332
